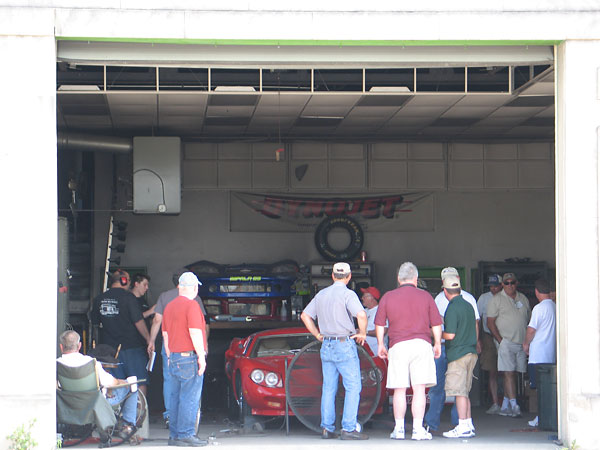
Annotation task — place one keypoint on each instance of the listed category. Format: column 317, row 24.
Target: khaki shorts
column 511, row 357
column 488, row 360
column 411, row 362
column 459, row 376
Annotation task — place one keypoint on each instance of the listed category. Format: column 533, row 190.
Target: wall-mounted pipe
column 94, row 143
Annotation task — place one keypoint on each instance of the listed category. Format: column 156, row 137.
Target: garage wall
column 490, row 199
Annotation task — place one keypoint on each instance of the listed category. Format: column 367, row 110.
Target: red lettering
column 272, row 207
column 293, row 207
column 335, row 208
column 313, row 209
column 370, row 208
column 353, row 207
column 389, row 205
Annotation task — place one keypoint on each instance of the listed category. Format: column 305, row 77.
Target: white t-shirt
column 482, row 305
column 372, row 340
column 77, row 359
column 543, row 346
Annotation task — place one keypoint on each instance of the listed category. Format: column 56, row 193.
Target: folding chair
column 81, row 407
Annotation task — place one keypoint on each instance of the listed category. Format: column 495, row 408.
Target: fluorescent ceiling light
column 389, row 89
column 78, row 87
column 235, row 89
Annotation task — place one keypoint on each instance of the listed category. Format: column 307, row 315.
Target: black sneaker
column 353, row 436
column 326, row 434
column 192, row 441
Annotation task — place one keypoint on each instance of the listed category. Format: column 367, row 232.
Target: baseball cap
column 371, row 290
column 494, row 280
column 509, row 276
column 451, row 282
column 341, row 268
column 446, row 271
column 189, row 279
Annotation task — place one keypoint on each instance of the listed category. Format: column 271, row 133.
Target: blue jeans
column 186, row 389
column 437, row 395
column 340, row 358
column 166, row 383
column 134, row 362
column 129, row 408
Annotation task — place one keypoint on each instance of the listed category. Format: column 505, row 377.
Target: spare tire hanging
column 322, row 242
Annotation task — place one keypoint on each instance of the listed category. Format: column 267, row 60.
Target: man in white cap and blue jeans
column 334, row 308
column 437, row 394
column 184, row 338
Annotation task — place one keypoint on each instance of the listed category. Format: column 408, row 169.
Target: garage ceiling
column 490, row 102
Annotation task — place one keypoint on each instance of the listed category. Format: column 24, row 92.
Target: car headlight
column 212, row 288
column 257, row 375
column 272, row 379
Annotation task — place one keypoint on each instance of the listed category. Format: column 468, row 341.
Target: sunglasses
column 509, row 283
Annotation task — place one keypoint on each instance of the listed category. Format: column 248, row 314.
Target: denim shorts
column 134, row 361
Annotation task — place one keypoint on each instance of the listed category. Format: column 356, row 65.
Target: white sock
column 505, row 403
column 470, row 422
column 417, row 424
column 464, row 424
column 513, row 402
column 399, row 424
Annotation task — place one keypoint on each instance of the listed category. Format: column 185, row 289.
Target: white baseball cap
column 341, row 268
column 189, row 279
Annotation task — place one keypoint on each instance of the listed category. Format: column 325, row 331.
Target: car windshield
column 281, row 344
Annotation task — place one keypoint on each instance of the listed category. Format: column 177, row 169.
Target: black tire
column 243, row 411
column 356, row 238
column 74, row 434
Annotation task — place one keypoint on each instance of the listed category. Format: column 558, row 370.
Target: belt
column 336, row 338
column 185, row 353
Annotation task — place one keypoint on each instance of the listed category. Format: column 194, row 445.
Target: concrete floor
column 493, row 432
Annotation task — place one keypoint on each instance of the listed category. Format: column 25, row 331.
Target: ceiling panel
column 435, row 99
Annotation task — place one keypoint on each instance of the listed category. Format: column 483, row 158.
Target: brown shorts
column 488, row 360
column 459, row 376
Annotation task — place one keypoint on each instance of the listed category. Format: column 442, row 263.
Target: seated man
column 69, row 346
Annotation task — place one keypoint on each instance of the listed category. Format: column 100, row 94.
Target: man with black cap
column 185, row 344
column 507, row 317
column 488, row 360
column 333, row 307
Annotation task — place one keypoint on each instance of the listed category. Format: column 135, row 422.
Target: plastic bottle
column 283, row 311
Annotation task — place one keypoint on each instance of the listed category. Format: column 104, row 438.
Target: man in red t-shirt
column 412, row 318
column 185, row 344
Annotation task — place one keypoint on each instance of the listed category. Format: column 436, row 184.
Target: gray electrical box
column 156, row 175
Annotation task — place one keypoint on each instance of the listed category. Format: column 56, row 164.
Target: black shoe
column 192, row 441
column 353, row 436
column 172, row 442
column 326, row 434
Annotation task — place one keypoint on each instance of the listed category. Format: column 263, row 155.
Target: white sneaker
column 494, row 409
column 472, row 430
column 534, row 423
column 516, row 411
column 421, row 434
column 506, row 411
column 458, row 432
column 397, row 434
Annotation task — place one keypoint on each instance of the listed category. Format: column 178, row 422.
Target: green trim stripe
column 293, row 42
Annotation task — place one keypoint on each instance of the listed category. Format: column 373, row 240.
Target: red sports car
column 256, row 367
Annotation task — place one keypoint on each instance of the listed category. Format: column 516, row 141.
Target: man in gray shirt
column 334, row 308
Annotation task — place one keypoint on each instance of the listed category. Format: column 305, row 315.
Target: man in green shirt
column 460, row 333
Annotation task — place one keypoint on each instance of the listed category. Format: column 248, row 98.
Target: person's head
column 69, row 342
column 495, row 283
column 341, row 272
column 370, row 297
column 448, row 272
column 140, row 284
column 451, row 285
column 408, row 274
column 542, row 289
column 119, row 279
column 509, row 284
column 188, row 285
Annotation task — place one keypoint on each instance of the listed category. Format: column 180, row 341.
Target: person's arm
column 478, row 345
column 148, row 312
column 362, row 320
column 436, row 330
column 166, row 343
column 529, row 335
column 309, row 323
column 448, row 336
column 143, row 330
column 491, row 323
column 197, row 336
column 381, row 350
column 156, row 322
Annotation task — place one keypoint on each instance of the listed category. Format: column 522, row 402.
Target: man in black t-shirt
column 122, row 326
